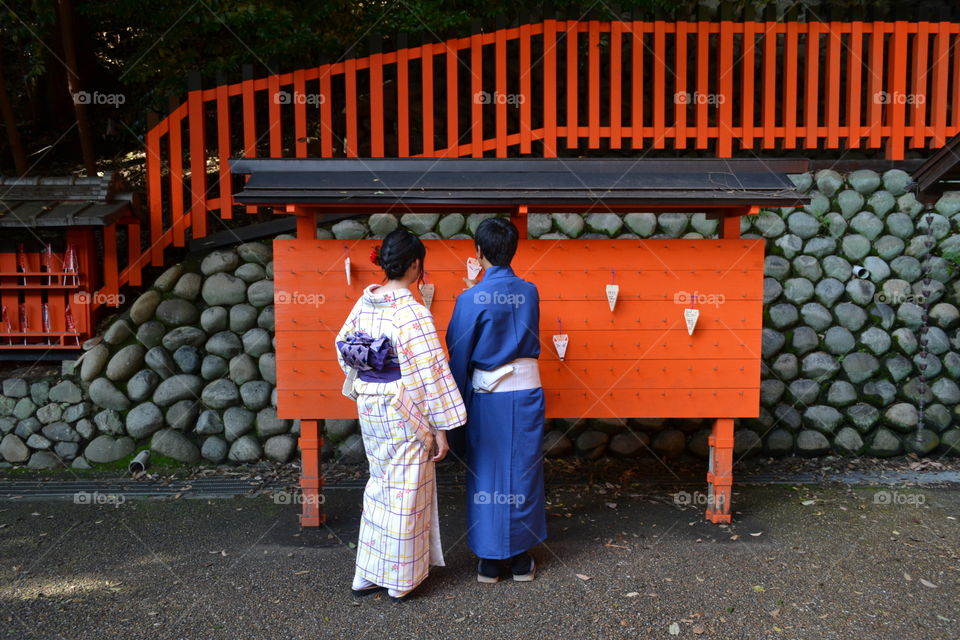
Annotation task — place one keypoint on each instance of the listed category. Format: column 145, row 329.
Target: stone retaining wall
column 849, row 359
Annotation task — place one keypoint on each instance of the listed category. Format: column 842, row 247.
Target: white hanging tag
column 560, row 341
column 690, row 316
column 346, row 268
column 473, row 268
column 613, row 290
column 427, row 290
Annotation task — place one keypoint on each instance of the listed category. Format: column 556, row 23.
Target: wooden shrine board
column 635, row 361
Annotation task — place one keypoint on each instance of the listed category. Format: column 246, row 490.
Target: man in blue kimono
column 494, row 342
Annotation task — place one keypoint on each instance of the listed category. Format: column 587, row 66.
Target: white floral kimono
column 399, row 530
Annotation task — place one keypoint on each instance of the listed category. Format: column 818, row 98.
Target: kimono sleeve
column 460, row 339
column 425, row 371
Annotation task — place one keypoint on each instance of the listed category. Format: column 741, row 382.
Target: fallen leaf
column 698, row 629
column 927, row 584
column 300, row 573
column 734, row 537
column 583, row 577
column 775, row 613
column 755, row 535
column 758, row 588
column 632, row 594
column 674, row 629
column 906, row 576
column 807, row 503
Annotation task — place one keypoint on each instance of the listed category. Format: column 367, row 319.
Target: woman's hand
column 440, row 446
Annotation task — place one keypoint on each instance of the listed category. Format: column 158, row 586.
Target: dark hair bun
column 399, row 250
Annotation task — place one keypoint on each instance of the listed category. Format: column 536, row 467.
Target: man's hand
column 440, row 446
column 469, row 282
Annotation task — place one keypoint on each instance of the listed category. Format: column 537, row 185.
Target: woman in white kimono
column 406, row 398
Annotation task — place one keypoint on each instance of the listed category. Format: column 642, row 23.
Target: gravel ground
column 798, row 562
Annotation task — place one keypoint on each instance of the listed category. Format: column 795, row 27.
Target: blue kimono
column 494, row 323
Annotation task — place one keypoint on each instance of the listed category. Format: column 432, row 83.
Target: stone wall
column 850, row 364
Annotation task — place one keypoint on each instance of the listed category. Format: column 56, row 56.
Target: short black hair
column 398, row 251
column 497, row 239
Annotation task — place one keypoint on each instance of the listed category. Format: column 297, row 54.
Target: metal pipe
column 139, row 462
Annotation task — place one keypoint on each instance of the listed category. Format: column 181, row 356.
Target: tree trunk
column 80, row 99
column 10, row 122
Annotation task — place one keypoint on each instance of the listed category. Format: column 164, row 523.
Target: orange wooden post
column 573, row 126
column 941, row 68
column 703, row 83
column 897, row 83
column 249, row 119
column 111, row 270
column 725, row 96
column 918, row 90
column 426, row 97
column 616, row 83
column 659, row 81
column 326, row 112
column 593, row 84
column 350, row 143
column 300, row 102
column 790, row 87
column 500, row 91
column 452, row 55
column 875, row 86
column 519, row 219
column 198, row 157
column 476, row 93
column 834, row 86
column 812, row 86
column 748, row 81
column 376, row 99
column 636, row 84
column 223, row 147
column 306, row 222
column 526, row 94
column 311, row 478
column 720, row 471
column 770, row 73
column 275, row 129
column 549, row 88
column 680, row 103
column 854, row 78
column 403, row 97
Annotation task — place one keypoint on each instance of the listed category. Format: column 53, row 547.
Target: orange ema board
column 636, row 360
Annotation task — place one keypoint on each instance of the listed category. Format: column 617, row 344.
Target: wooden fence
column 565, row 87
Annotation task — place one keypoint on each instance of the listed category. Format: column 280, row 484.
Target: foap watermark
column 698, row 498
column 695, row 297
column 96, row 498
column 898, row 97
column 899, row 298
column 98, row 298
column 499, row 298
column 485, row 97
column 296, row 497
column 298, row 297
column 685, row 97
column 296, row 97
column 898, row 498
column 110, row 99
column 485, row 497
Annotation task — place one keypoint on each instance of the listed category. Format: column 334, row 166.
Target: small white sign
column 560, row 341
column 427, row 290
column 346, row 268
column 613, row 290
column 473, row 268
column 690, row 316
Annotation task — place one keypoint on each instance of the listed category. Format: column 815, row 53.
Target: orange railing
column 562, row 87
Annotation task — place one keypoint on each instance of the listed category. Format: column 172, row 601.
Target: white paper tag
column 560, row 341
column 473, row 268
column 427, row 290
column 690, row 316
column 613, row 290
column 346, row 268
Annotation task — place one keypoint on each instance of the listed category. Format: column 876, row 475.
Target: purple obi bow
column 364, row 353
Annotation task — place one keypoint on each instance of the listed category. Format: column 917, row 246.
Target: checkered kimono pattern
column 399, row 531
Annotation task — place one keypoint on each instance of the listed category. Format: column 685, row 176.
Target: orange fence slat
column 616, row 83
column 725, row 91
column 249, row 122
column 636, row 84
column 680, row 102
column 177, row 217
column 526, row 94
column 896, row 107
column 223, row 149
column 811, row 103
column 476, row 93
column 550, row 88
column 275, row 132
column 426, row 99
column 500, row 91
column 940, row 77
column 376, row 106
column 854, row 78
column 790, row 87
column 403, row 103
column 154, row 195
column 875, row 86
column 834, row 86
column 770, row 73
column 453, row 117
column 198, row 164
column 748, row 81
column 300, row 102
column 918, row 91
column 351, row 143
column 573, row 72
column 326, row 113
column 593, row 84
column 659, row 80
